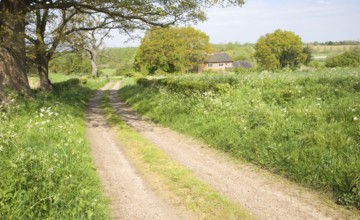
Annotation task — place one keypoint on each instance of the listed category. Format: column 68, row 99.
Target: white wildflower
column 355, row 118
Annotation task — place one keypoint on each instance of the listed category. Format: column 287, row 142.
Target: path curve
column 264, row 196
column 130, row 196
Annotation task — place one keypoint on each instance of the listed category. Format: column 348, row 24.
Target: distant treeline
column 345, row 42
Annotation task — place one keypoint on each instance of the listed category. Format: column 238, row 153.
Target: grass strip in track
column 181, row 186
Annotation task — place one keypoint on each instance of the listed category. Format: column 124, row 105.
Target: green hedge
column 184, row 86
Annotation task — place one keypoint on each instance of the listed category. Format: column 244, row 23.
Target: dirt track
column 264, row 195
column 130, row 197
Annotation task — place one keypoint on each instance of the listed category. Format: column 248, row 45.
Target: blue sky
column 317, row 20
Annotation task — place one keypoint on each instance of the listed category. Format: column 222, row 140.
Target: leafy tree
column 91, row 39
column 172, row 49
column 349, row 58
column 279, row 49
column 70, row 63
column 307, row 50
column 130, row 14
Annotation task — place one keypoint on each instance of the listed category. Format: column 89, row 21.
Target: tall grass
column 45, row 167
column 302, row 125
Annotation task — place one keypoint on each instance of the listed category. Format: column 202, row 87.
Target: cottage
column 217, row 62
column 242, row 64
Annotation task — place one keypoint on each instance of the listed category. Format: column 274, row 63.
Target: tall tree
column 12, row 47
column 90, row 36
column 45, row 33
column 134, row 13
column 172, row 49
column 279, row 49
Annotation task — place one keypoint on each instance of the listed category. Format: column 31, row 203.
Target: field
column 321, row 52
column 304, row 126
column 45, row 167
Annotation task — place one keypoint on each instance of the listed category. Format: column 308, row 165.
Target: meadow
column 45, row 166
column 302, row 125
column 321, row 52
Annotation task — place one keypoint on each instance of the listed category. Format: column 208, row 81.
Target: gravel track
column 130, row 196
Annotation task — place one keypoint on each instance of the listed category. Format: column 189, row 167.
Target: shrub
column 348, row 59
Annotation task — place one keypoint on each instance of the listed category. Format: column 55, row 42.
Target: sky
column 312, row 20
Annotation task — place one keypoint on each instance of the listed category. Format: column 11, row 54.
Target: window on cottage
column 221, row 64
column 210, row 64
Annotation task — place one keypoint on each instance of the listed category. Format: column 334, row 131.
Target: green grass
column 108, row 71
column 304, row 126
column 177, row 183
column 45, row 167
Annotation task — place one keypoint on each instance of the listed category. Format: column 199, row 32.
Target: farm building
column 217, row 62
column 242, row 64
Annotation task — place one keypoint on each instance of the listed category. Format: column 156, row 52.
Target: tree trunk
column 93, row 57
column 12, row 47
column 43, row 71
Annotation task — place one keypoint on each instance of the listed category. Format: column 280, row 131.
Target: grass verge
column 181, row 186
column 304, row 126
column 45, row 167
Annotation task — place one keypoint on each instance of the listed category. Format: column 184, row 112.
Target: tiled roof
column 244, row 64
column 219, row 58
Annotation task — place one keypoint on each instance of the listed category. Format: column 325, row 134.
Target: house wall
column 216, row 66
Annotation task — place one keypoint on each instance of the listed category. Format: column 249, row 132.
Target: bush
column 183, row 86
column 348, row 59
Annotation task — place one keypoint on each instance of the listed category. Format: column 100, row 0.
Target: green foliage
column 117, row 58
column 307, row 50
column 70, row 63
column 172, row 50
column 304, row 126
column 45, row 168
column 189, row 86
column 236, row 51
column 349, row 58
column 278, row 50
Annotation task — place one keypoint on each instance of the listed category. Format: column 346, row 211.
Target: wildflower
column 319, row 99
column 355, row 118
column 353, row 110
column 41, row 115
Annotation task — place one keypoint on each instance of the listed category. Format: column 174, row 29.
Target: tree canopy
column 172, row 49
column 279, row 49
column 124, row 15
